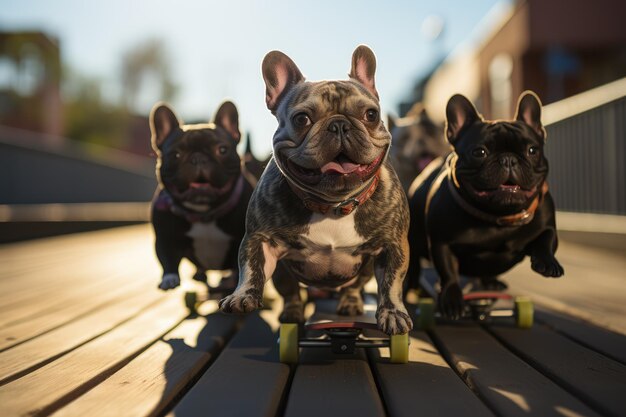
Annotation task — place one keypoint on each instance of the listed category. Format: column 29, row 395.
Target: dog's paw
column 350, row 304
column 451, row 302
column 393, row 321
column 293, row 312
column 169, row 281
column 241, row 302
column 546, row 266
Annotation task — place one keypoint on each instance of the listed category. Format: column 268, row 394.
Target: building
column 556, row 48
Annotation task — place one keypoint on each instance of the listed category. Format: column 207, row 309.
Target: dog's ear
column 529, row 112
column 364, row 68
column 280, row 73
column 163, row 121
column 227, row 117
column 460, row 112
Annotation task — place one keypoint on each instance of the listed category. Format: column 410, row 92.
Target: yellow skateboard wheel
column 288, row 343
column 399, row 348
column 524, row 312
column 426, row 317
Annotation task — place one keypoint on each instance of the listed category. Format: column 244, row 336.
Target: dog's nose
column 339, row 127
column 508, row 161
column 199, row 159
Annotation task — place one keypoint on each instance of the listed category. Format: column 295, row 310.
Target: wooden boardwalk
column 85, row 332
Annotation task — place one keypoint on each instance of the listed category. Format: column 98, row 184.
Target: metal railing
column 586, row 148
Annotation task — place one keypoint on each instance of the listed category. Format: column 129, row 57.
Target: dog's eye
column 371, row 115
column 301, row 120
column 479, row 152
column 222, row 150
column 533, row 150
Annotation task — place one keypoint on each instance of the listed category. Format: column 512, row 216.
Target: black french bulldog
column 487, row 207
column 328, row 210
column 416, row 141
column 199, row 208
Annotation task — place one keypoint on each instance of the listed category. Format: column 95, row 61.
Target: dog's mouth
column 202, row 191
column 509, row 188
column 340, row 166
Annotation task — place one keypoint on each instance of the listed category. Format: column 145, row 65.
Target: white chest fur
column 210, row 244
column 333, row 232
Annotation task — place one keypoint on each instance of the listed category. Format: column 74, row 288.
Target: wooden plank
column 327, row 384
column 24, row 259
column 36, row 293
column 21, row 331
column 35, row 353
column 606, row 342
column 508, row 385
column 426, row 385
column 592, row 377
column 58, row 299
column 246, row 379
column 148, row 385
column 592, row 288
column 52, row 386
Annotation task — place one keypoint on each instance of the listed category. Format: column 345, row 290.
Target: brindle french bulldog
column 199, row 208
column 329, row 210
column 488, row 206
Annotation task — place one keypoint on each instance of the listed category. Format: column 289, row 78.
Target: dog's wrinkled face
column 198, row 164
column 501, row 165
column 330, row 139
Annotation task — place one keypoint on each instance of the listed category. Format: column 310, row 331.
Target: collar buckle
column 346, row 207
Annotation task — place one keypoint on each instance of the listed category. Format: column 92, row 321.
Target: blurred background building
column 557, row 48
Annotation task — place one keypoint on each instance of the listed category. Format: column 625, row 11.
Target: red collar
column 165, row 202
column 342, row 208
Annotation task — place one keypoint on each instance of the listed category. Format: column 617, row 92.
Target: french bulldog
column 488, row 206
column 328, row 210
column 416, row 141
column 199, row 207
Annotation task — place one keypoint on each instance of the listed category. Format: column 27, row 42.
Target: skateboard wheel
column 426, row 317
column 191, row 300
column 524, row 312
column 288, row 343
column 399, row 348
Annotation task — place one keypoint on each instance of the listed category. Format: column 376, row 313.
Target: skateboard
column 479, row 306
column 342, row 337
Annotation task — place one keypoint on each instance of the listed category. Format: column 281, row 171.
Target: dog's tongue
column 199, row 185
column 343, row 167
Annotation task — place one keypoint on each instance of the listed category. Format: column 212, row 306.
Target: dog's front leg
column 169, row 255
column 542, row 259
column 390, row 270
column 257, row 262
column 447, row 266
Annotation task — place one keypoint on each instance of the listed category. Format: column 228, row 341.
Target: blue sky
column 216, row 47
